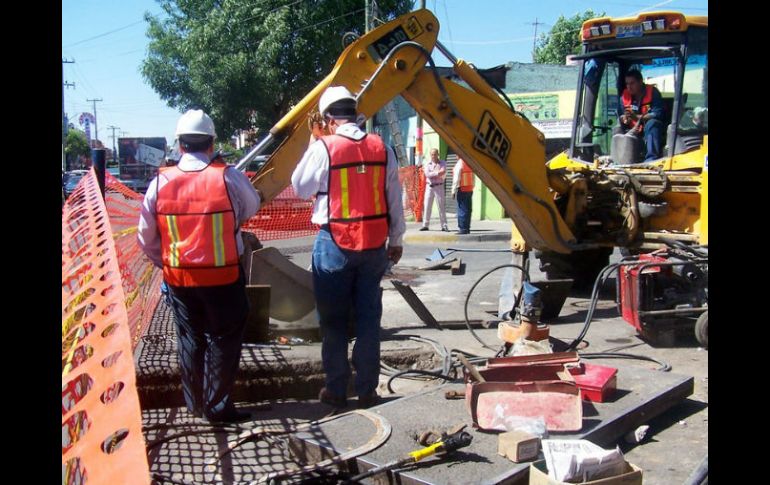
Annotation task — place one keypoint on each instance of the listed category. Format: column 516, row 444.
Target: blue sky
column 107, row 41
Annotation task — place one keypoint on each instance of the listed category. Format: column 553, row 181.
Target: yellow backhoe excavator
column 574, row 209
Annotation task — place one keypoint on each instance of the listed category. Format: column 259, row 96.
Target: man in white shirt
column 354, row 178
column 189, row 227
column 435, row 175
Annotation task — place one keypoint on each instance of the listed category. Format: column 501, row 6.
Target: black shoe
column 326, row 397
column 230, row 416
column 463, row 232
column 444, row 229
column 423, row 228
column 368, row 400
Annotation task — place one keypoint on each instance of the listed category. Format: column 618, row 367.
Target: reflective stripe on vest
column 466, row 178
column 197, row 227
column 358, row 209
column 628, row 102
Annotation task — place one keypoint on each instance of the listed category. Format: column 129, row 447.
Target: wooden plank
column 457, row 267
column 439, row 264
column 408, row 294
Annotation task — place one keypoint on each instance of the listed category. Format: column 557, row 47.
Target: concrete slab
column 642, row 394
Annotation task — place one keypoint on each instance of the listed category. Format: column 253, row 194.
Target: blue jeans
column 464, row 206
column 210, row 322
column 344, row 281
column 652, row 138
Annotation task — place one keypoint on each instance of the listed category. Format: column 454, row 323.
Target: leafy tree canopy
column 76, row 144
column 247, row 62
column 563, row 39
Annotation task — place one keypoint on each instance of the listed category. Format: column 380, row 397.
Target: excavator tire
column 702, row 329
column 581, row 266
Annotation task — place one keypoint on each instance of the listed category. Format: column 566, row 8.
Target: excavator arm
column 501, row 146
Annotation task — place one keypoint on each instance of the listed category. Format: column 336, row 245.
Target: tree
column 247, row 63
column 76, row 145
column 563, row 39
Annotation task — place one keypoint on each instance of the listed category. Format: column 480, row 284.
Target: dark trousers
column 464, row 207
column 344, row 281
column 210, row 322
column 652, row 137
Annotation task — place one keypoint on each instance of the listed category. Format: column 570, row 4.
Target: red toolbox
column 596, row 382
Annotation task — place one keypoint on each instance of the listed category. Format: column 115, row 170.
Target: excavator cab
column 671, row 52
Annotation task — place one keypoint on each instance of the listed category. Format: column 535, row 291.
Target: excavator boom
column 501, row 146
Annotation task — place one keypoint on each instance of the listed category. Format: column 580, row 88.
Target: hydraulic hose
column 468, row 298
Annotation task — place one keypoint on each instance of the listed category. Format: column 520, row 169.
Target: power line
column 664, row 2
column 534, row 38
column 448, row 27
column 104, row 34
column 329, row 20
column 96, row 125
column 113, row 128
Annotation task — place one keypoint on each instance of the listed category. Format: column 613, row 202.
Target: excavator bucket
column 291, row 292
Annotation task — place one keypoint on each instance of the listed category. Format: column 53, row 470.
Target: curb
column 431, row 238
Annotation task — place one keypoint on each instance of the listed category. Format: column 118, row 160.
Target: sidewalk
column 480, row 231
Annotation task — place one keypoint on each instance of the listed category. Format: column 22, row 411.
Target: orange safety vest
column 628, row 103
column 358, row 208
column 197, row 227
column 466, row 178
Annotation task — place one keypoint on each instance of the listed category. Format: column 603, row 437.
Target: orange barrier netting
column 141, row 279
column 412, row 181
column 102, row 439
column 284, row 217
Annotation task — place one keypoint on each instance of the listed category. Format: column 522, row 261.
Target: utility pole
column 114, row 151
column 534, row 40
column 64, row 84
column 418, row 134
column 96, row 123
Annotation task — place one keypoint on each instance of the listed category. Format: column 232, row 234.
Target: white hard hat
column 195, row 122
column 332, row 95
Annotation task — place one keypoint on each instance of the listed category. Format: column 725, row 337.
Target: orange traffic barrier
column 102, row 441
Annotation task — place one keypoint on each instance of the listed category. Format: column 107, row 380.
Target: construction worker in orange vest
column 641, row 113
column 462, row 191
column 354, row 179
column 189, row 226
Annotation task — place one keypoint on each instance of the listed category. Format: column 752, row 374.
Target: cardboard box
column 538, row 475
column 518, row 446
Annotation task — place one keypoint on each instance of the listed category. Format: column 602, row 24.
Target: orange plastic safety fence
column 412, row 181
column 102, row 441
column 141, row 279
column 286, row 216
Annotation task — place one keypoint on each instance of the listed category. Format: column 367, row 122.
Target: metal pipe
column 442, row 48
column 673, row 312
column 255, row 151
column 99, row 164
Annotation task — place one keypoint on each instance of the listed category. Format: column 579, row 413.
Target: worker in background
column 189, row 226
column 354, row 179
column 435, row 175
column 641, row 113
column 462, row 191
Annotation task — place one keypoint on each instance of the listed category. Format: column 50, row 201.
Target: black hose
column 190, row 432
column 685, row 247
column 600, row 279
column 664, row 366
column 437, row 375
column 468, row 298
column 479, row 250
